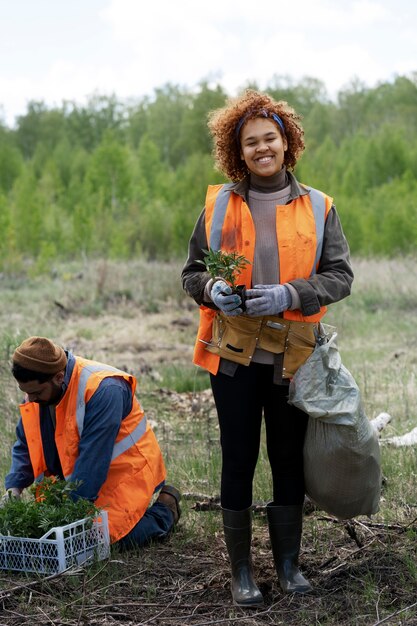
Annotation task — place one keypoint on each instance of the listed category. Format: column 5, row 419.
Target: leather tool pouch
column 236, row 338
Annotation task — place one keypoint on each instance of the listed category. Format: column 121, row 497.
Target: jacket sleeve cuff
column 295, row 298
column 309, row 303
column 207, row 291
column 209, row 287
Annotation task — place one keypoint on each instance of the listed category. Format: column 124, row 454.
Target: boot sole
column 252, row 605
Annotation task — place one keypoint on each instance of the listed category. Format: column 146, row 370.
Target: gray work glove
column 224, row 299
column 267, row 300
column 13, row 492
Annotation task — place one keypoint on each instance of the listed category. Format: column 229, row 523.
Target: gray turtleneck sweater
column 264, row 195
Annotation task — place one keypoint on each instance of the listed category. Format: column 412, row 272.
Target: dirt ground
column 364, row 573
column 186, row 581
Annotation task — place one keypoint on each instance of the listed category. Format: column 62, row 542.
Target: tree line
column 120, row 179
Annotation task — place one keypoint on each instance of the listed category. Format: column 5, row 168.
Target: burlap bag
column 341, row 451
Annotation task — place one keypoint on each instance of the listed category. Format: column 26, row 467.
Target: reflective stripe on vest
column 131, row 439
column 318, row 204
column 220, row 207
column 84, row 376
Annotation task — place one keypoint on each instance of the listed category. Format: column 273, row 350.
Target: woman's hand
column 267, row 300
column 222, row 296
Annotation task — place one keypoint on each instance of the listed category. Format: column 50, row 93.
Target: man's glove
column 222, row 296
column 267, row 300
column 13, row 492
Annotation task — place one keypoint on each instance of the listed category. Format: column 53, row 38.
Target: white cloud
column 185, row 41
column 368, row 13
column 129, row 47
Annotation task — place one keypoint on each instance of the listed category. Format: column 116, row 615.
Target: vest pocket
column 273, row 335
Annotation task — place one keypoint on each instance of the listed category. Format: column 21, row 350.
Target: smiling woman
column 263, row 146
column 298, row 262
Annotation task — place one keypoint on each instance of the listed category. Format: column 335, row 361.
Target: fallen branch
column 187, row 495
column 380, row 421
column 397, row 527
column 409, row 439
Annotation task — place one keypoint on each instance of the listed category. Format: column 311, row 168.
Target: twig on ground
column 351, row 531
column 30, row 585
column 84, row 585
column 187, row 495
column 380, row 525
column 119, row 582
column 46, row 615
column 386, row 619
column 161, row 612
column 361, row 549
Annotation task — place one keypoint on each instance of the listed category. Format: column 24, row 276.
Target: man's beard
column 56, row 395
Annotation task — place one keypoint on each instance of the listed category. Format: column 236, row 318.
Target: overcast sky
column 55, row 50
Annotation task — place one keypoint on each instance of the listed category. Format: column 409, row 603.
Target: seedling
column 226, row 265
column 50, row 506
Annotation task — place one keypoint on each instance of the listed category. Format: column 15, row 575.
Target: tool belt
column 237, row 337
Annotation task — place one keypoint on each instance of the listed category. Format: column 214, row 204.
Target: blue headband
column 260, row 113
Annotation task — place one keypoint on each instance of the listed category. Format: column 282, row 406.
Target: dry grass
column 364, row 573
column 360, row 577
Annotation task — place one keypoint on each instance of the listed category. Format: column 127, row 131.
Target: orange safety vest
column 229, row 227
column 136, row 468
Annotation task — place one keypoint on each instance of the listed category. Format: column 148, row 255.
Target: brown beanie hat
column 40, row 354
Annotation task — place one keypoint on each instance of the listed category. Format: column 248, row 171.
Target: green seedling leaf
column 226, row 265
column 50, row 505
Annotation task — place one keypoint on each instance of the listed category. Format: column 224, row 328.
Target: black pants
column 241, row 401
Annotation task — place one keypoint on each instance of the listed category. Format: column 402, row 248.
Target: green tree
column 108, row 174
column 118, row 178
column 194, row 136
column 165, row 118
column 27, row 214
column 11, row 163
column 188, row 196
column 302, row 95
column 152, row 176
column 88, row 125
column 39, row 125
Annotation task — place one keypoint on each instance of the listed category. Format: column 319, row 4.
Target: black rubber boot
column 238, row 534
column 285, row 528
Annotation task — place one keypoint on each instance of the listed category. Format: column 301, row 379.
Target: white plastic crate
column 60, row 548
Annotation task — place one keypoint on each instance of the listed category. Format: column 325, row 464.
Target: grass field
column 136, row 317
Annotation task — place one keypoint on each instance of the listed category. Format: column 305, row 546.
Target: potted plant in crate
column 226, row 265
column 49, row 531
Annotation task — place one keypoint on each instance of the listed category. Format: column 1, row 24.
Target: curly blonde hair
column 225, row 129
